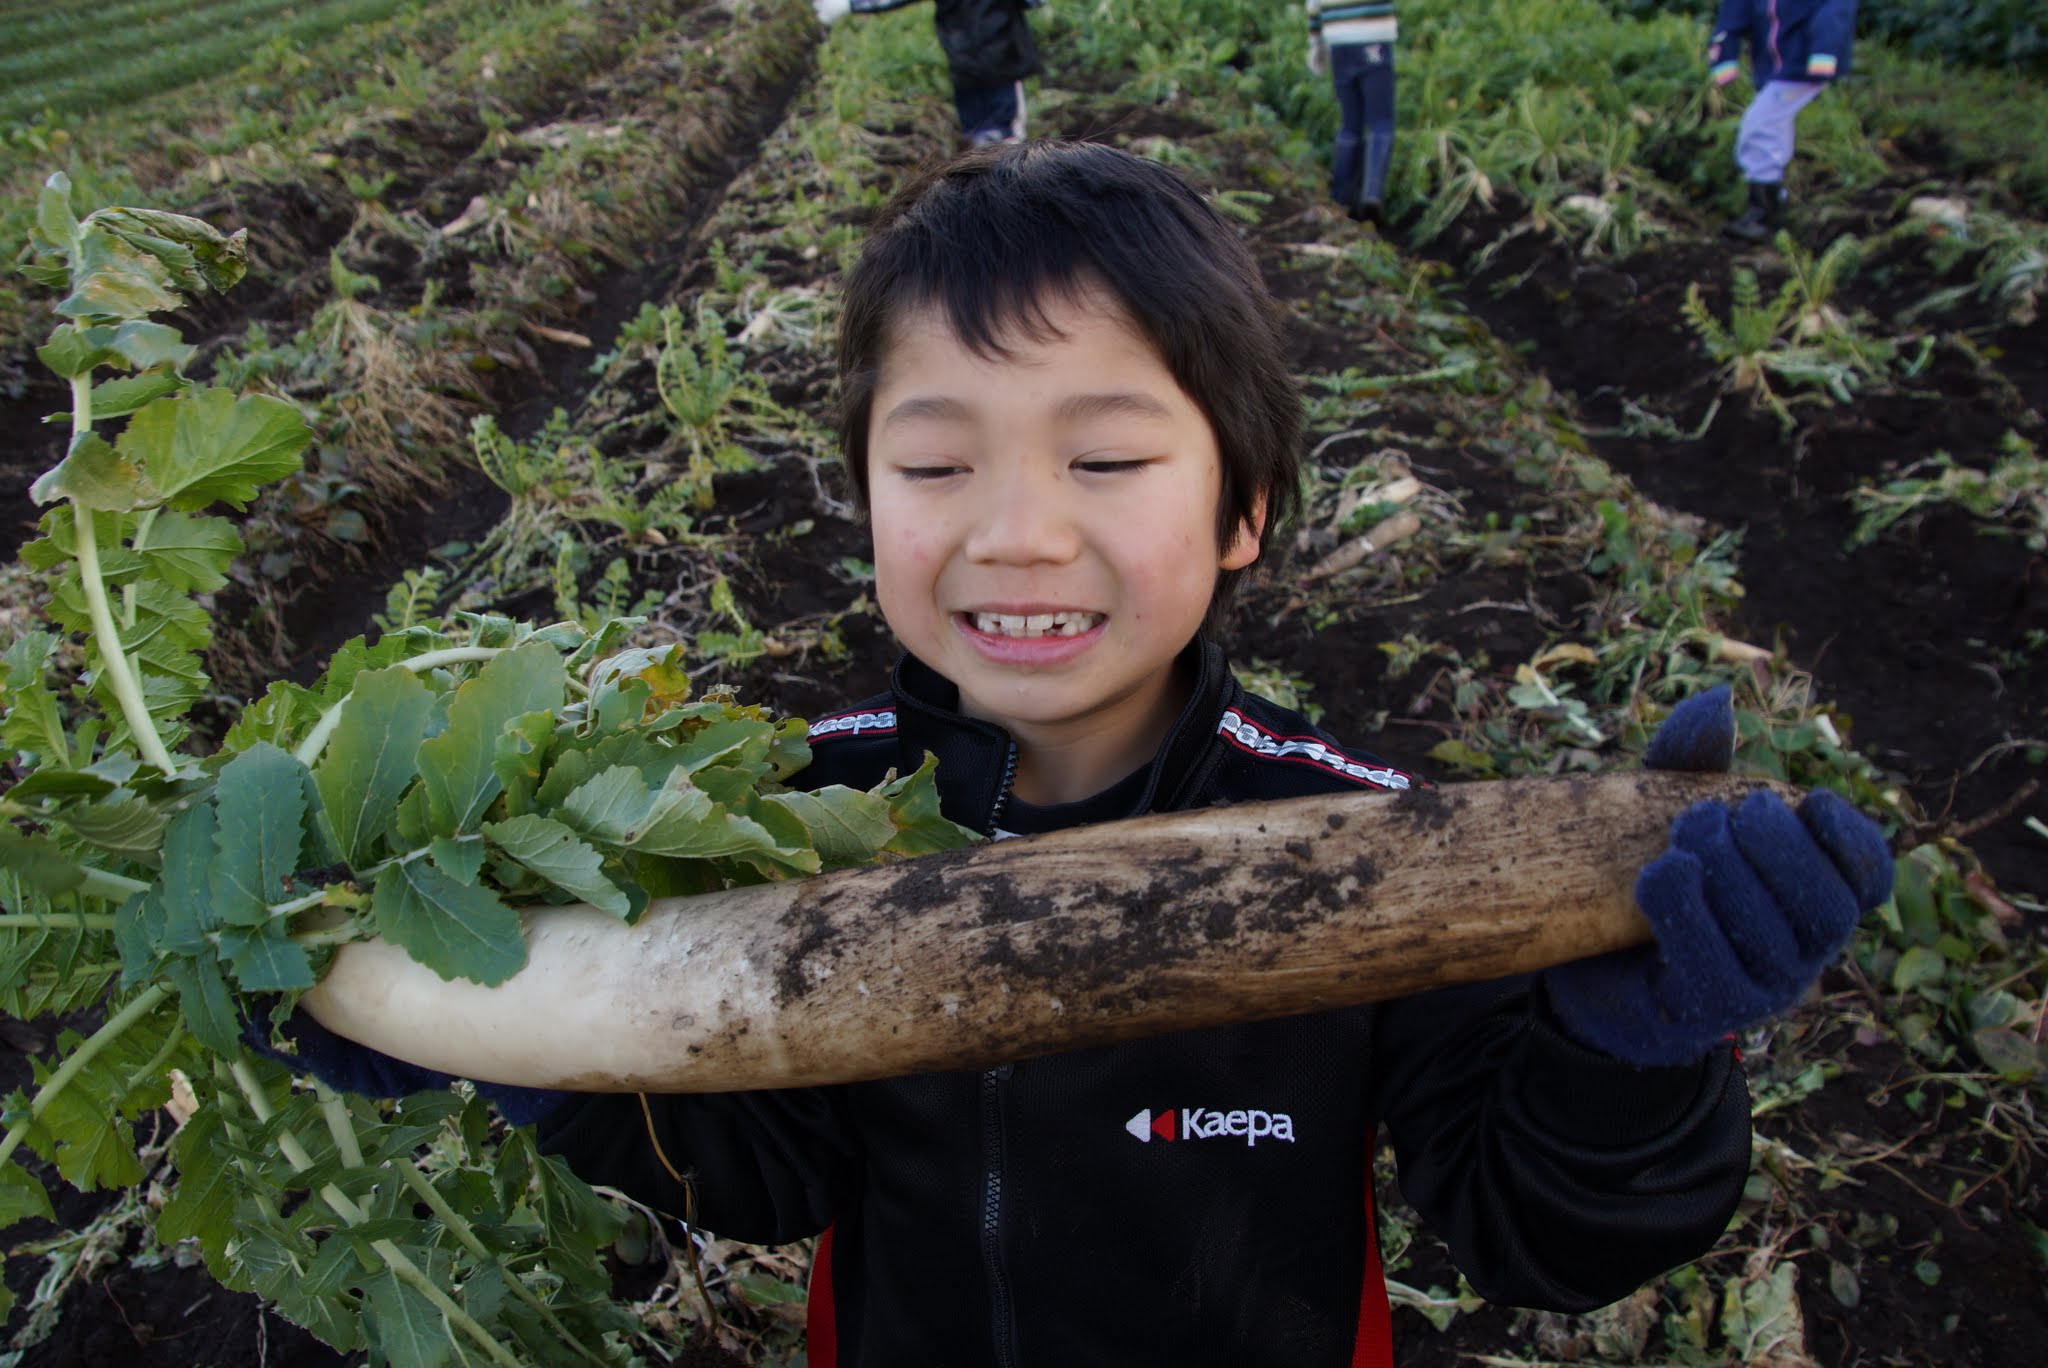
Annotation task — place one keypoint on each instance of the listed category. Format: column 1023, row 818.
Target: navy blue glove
column 1748, row 906
column 345, row 1066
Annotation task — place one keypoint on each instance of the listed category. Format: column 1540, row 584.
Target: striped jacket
column 1345, row 23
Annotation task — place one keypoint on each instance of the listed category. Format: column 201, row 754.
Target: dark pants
column 992, row 112
column 1363, row 74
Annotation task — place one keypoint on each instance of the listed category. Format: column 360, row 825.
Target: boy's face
column 1045, row 533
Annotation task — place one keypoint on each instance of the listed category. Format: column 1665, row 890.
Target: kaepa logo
column 1199, row 1123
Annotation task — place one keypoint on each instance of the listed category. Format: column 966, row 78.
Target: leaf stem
column 335, row 1112
column 316, row 740
column 57, row 921
column 466, row 1235
column 409, row 1272
column 288, row 1144
column 113, row 887
column 120, row 676
column 140, row 1006
column 173, row 1038
column 295, row 1154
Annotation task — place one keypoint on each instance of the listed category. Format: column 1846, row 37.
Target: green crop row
column 105, row 65
column 29, row 31
column 139, row 42
column 266, row 114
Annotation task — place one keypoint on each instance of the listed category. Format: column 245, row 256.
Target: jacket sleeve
column 1829, row 38
column 1731, row 26
column 763, row 1167
column 1560, row 1178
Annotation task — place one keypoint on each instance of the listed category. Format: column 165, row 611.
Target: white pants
column 1763, row 145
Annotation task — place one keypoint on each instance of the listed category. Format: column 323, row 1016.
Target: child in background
column 989, row 51
column 1795, row 48
column 1354, row 41
column 1067, row 411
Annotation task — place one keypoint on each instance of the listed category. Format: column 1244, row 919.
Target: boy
column 1354, row 41
column 1073, row 437
column 989, row 52
column 1795, row 48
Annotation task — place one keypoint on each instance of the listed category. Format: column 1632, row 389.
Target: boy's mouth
column 1029, row 627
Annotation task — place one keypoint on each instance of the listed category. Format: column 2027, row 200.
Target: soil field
column 1598, row 514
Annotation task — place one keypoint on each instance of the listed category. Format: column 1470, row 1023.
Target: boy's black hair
column 990, row 235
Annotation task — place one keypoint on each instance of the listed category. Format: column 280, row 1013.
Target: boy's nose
column 1023, row 519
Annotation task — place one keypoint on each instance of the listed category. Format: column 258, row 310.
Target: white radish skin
column 1050, row 943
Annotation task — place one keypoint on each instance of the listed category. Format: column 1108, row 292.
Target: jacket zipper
column 1001, row 1314
column 995, row 813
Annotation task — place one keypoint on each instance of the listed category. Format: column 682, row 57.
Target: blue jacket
column 1789, row 40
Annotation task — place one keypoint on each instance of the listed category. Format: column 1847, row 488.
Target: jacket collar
column 977, row 759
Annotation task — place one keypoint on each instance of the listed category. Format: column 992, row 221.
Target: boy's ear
column 1243, row 547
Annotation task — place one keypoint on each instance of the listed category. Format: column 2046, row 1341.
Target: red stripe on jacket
column 821, row 1323
column 1374, row 1347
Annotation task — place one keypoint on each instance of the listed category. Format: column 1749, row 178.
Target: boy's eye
column 928, row 472
column 1110, row 465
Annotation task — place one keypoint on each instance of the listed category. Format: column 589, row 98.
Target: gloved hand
column 345, row 1066
column 1748, row 906
column 1318, row 55
column 830, row 12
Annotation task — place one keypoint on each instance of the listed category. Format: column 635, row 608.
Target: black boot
column 1764, row 216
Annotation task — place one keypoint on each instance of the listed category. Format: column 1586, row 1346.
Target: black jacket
column 987, row 42
column 1201, row 1198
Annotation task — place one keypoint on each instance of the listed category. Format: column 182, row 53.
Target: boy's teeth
column 1035, row 625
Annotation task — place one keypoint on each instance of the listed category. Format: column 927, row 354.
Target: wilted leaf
column 1460, row 756
column 1761, row 1319
column 2007, row 1052
column 1920, row 967
column 111, row 279
column 1913, row 896
column 55, row 223
column 1842, row 1282
column 97, row 477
